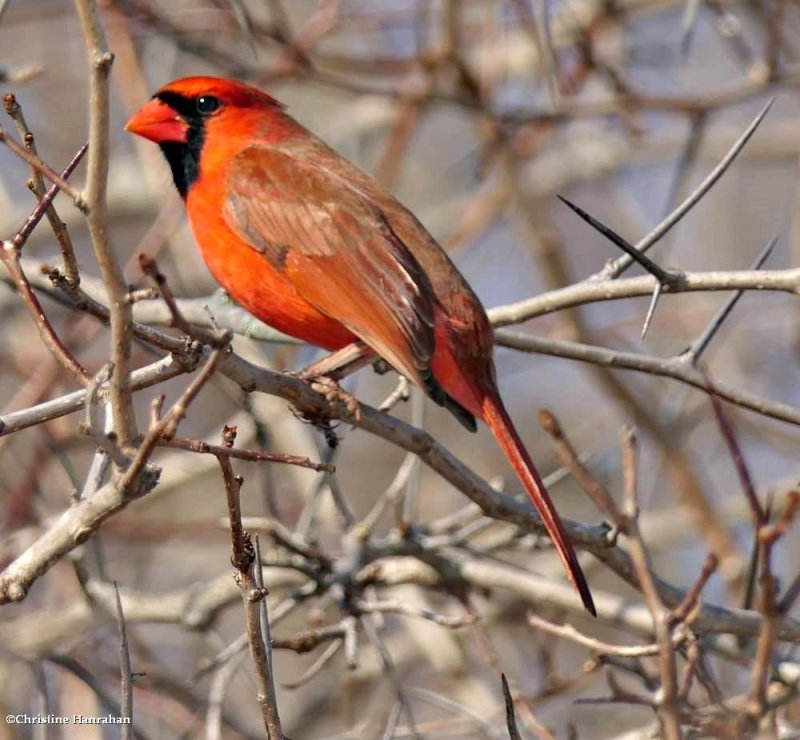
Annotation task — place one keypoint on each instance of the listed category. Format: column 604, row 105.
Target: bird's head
column 184, row 114
column 187, row 107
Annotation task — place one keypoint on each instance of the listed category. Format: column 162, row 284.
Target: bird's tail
column 498, row 420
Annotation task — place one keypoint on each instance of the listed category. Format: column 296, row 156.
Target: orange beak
column 158, row 122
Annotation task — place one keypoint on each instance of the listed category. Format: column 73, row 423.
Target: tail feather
column 498, row 420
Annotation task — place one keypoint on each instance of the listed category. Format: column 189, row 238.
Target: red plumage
column 313, row 246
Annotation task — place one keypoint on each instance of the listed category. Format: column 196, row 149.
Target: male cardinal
column 315, row 247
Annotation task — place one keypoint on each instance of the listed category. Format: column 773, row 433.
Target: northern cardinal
column 313, row 246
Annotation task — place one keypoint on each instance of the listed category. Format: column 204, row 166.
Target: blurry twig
column 243, row 559
column 36, row 185
column 48, row 172
column 668, row 700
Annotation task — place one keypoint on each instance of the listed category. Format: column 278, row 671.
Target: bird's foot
column 332, row 392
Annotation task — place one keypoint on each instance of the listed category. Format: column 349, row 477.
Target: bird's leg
column 332, row 392
column 338, row 365
column 325, row 374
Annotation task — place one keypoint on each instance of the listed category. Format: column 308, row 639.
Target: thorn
column 665, row 277
column 617, row 267
column 511, row 719
column 651, row 309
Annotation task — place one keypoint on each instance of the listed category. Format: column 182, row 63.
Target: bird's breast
column 253, row 282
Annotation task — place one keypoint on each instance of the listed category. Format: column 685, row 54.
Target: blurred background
column 476, row 113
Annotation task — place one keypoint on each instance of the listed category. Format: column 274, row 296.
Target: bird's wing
column 339, row 252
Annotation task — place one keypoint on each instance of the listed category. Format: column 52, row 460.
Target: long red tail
column 498, row 420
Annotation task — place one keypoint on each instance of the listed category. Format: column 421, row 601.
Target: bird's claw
column 332, row 392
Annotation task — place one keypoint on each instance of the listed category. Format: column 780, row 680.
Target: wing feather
column 338, row 250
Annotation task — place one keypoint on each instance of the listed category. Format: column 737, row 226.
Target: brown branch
column 9, row 255
column 205, row 448
column 36, row 184
column 668, row 702
column 768, row 536
column 243, row 559
column 44, row 206
column 48, row 172
column 121, row 320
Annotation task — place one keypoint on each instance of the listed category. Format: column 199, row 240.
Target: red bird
column 315, row 247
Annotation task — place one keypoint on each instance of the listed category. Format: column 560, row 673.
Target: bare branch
column 244, row 560
column 100, row 60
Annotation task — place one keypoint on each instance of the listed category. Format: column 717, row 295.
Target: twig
column 36, row 184
column 458, row 709
column 568, row 632
column 9, row 255
column 393, row 492
column 570, row 460
column 243, row 559
column 674, row 368
column 694, row 352
column 768, row 536
column 592, row 291
column 145, row 377
column 790, row 595
column 409, row 610
column 743, row 472
column 689, row 153
column 683, row 611
column 316, row 667
column 44, row 207
column 70, row 530
column 400, row 393
column 205, row 448
column 48, row 172
column 305, row 642
column 220, row 681
column 688, row 25
column 241, row 643
column 284, row 536
column 667, row 704
column 165, row 427
column 149, row 267
column 100, row 60
column 617, row 267
column 390, row 669
column 106, row 700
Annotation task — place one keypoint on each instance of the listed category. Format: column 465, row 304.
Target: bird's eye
column 207, row 105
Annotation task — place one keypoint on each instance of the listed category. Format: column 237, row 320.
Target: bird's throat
column 184, row 156
column 184, row 159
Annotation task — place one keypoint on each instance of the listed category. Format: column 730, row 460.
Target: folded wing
column 339, row 252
